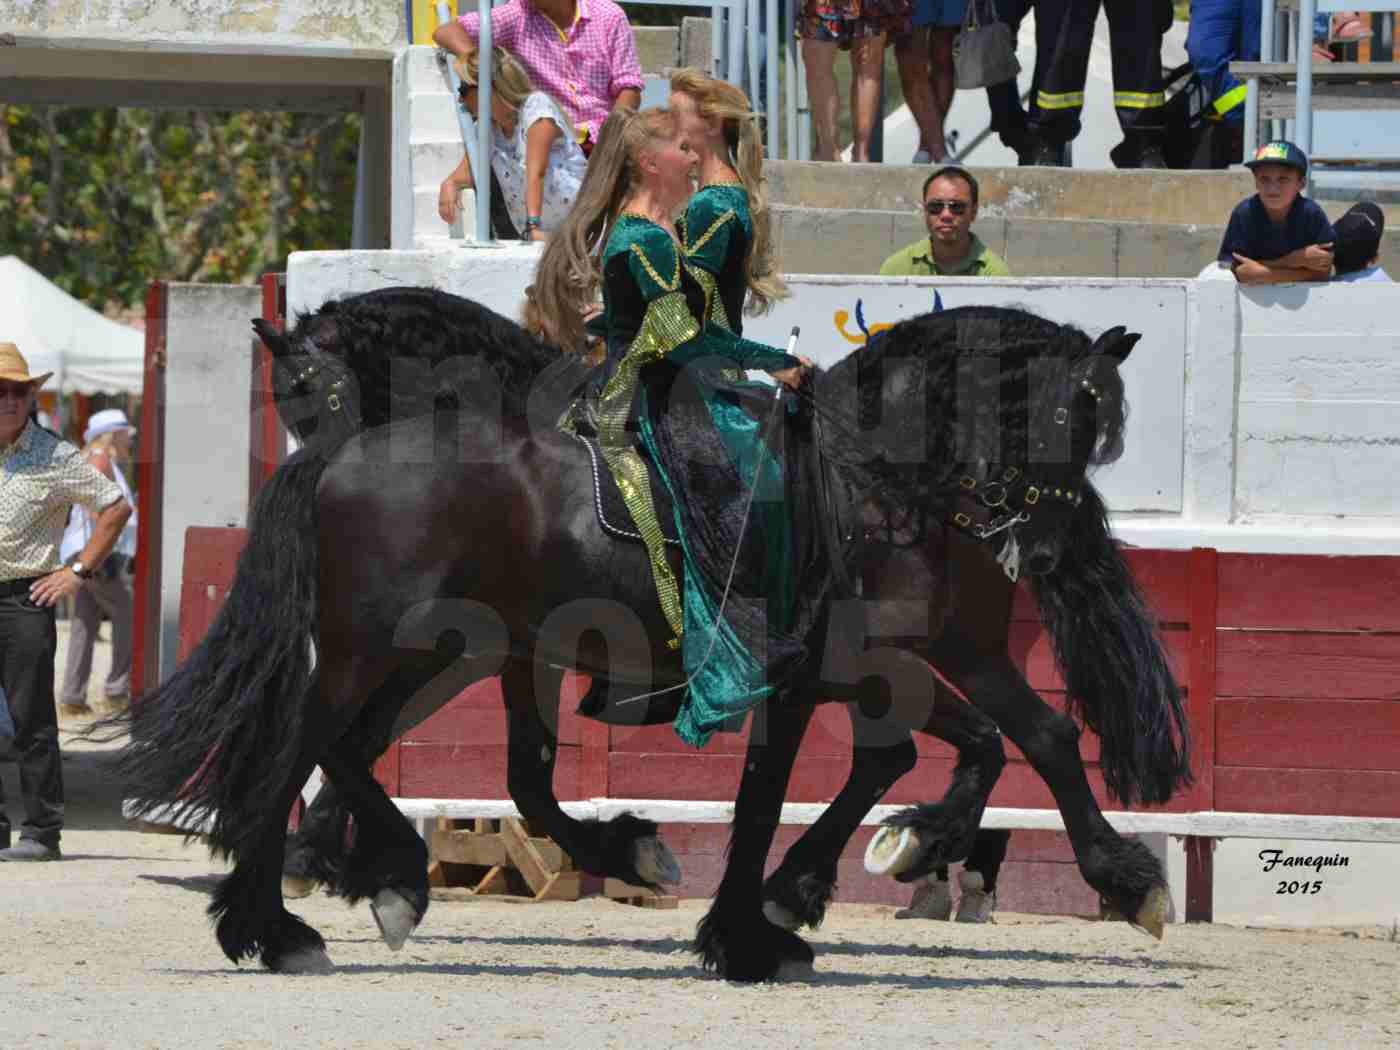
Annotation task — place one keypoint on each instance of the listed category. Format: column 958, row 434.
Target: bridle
column 997, row 498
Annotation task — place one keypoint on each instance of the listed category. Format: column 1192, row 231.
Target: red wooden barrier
column 150, row 488
column 1287, row 664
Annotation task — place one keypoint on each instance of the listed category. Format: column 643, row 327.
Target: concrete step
column 856, row 241
column 433, row 161
column 1032, row 193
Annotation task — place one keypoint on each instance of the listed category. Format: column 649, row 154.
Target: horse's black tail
column 220, row 738
column 1113, row 662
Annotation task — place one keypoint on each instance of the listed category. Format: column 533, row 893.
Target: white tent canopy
column 87, row 353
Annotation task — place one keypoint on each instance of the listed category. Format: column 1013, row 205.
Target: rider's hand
column 792, row 377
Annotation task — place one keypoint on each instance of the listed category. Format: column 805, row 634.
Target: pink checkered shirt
column 584, row 69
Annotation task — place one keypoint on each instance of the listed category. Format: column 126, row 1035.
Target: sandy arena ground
column 111, row 949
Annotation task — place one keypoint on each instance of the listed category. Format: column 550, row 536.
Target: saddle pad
column 613, row 515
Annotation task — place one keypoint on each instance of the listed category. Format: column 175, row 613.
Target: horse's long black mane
column 413, row 350
column 934, row 393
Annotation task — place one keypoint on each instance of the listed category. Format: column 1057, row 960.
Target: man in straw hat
column 41, row 477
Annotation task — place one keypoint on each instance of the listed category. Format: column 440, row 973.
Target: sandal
column 1347, row 28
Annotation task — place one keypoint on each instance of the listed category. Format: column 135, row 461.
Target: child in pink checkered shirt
column 581, row 52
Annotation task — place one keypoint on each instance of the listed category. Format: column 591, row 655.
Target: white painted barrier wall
column 208, row 375
column 1261, row 419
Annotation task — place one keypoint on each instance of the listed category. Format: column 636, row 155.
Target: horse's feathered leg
column 805, row 881
column 389, row 861
column 1125, row 872
column 798, row 892
column 734, row 939
column 626, row 847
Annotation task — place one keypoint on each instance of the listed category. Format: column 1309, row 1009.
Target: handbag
column 984, row 52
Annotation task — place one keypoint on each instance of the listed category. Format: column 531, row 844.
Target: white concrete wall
column 1260, row 419
column 209, row 354
column 210, row 24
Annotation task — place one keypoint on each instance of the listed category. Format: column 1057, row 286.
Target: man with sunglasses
column 41, row 477
column 951, row 248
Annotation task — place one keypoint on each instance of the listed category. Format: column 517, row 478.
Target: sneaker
column 30, row 850
column 114, row 705
column 976, row 904
column 932, row 900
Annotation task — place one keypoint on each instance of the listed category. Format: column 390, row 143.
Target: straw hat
column 15, row 368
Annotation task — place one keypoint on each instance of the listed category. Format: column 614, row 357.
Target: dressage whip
column 734, row 562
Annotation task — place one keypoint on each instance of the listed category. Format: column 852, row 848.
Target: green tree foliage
column 104, row 201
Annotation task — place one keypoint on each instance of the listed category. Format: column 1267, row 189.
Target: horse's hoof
column 294, row 887
column 781, row 917
column 1151, row 918
column 932, row 899
column 892, row 851
column 795, row 970
column 395, row 915
column 306, row 960
column 976, row 903
column 655, row 862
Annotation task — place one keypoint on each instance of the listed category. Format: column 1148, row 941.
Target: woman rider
column 700, row 435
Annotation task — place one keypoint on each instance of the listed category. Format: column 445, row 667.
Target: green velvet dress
column 656, row 316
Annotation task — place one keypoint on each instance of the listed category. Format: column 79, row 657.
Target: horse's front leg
column 734, row 939
column 1125, row 872
column 626, row 847
column 798, row 892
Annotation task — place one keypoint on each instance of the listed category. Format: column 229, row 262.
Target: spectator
column 1221, row 32
column 1278, row 235
column 860, row 27
column 579, row 52
column 951, row 248
column 106, row 446
column 44, row 476
column 535, row 155
column 1357, row 248
column 1064, row 38
column 925, row 59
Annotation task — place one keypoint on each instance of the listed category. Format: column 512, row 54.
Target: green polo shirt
column 917, row 260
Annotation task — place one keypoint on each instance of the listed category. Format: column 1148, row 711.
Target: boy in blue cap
column 1278, row 235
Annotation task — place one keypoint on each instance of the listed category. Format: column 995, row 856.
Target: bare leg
column 819, row 56
column 940, row 62
column 867, row 69
column 911, row 55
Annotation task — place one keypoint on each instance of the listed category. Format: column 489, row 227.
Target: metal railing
column 734, row 36
column 1297, row 27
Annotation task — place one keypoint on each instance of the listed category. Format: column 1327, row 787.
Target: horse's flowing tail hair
column 222, row 735
column 569, row 271
column 1114, row 665
column 720, row 99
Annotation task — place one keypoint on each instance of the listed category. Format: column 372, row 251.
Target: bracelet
column 532, row 222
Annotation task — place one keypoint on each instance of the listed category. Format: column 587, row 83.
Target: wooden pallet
column 501, row 858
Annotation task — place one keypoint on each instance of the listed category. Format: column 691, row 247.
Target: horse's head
column 988, row 417
column 1076, row 418
column 312, row 386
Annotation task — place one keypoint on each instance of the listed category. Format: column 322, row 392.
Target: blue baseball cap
column 1279, row 152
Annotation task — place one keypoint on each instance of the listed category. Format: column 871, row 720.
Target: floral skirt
column 843, row 21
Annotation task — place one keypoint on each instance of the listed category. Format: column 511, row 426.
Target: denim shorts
column 939, row 12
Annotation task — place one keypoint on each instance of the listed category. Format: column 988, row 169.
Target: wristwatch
column 80, row 570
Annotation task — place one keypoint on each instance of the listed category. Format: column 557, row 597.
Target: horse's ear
column 275, row 342
column 1117, row 343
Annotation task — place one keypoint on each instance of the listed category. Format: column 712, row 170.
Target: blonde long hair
column 568, row 274
column 718, row 99
column 509, row 80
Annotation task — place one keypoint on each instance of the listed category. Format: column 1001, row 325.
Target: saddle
column 613, row 516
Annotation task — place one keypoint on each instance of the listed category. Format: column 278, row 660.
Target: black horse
column 449, row 546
